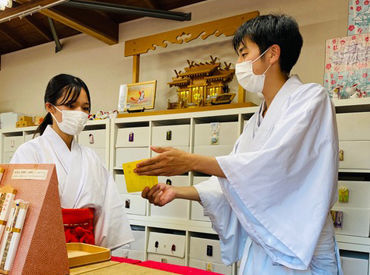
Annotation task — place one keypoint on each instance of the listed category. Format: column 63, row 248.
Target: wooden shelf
column 189, row 110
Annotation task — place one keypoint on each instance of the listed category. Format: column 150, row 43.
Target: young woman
column 92, row 208
column 269, row 200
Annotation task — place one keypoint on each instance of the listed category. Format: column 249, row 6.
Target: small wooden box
column 83, row 254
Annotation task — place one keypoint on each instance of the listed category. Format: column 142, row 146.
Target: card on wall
column 358, row 17
column 347, row 66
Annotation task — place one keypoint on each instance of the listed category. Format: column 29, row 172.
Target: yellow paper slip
column 134, row 182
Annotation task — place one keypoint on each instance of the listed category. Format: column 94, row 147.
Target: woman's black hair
column 66, row 87
column 267, row 30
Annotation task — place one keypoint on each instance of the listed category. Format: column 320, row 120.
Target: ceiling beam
column 39, row 28
column 152, row 4
column 27, row 7
column 129, row 10
column 88, row 22
column 36, row 25
column 10, row 35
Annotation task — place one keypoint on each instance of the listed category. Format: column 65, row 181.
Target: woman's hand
column 169, row 162
column 160, row 194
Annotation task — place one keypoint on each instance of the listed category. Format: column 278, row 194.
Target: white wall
column 24, row 74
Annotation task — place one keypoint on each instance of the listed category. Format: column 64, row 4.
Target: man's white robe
column 272, row 209
column 84, row 182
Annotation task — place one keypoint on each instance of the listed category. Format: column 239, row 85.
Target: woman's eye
column 87, row 109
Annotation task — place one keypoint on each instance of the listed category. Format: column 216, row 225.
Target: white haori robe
column 272, row 209
column 83, row 182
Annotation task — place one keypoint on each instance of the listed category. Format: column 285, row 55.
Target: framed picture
column 141, row 95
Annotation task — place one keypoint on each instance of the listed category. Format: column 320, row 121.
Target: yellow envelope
column 134, row 182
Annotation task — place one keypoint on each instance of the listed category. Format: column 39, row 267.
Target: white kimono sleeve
column 112, row 229
column 224, row 222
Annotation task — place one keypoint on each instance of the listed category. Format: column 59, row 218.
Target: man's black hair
column 267, row 30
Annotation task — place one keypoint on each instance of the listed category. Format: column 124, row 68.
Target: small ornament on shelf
column 343, row 194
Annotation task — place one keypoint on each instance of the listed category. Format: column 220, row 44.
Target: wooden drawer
column 177, row 208
column 165, row 259
column 166, row 244
column 134, row 205
column 12, row 143
column 354, row 266
column 7, row 157
column 210, row 266
column 356, row 155
column 207, row 250
column 228, row 133
column 354, row 126
column 182, row 148
column 356, row 221
column 359, row 194
column 173, row 136
column 213, row 150
column 132, row 137
column 93, row 138
column 124, row 155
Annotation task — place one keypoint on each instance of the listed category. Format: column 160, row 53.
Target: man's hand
column 160, row 194
column 169, row 162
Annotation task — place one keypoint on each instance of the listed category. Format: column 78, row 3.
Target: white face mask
column 247, row 78
column 72, row 122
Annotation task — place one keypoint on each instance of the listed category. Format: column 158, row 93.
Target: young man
column 269, row 200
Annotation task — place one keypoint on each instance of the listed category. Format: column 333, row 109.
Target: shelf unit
column 190, row 131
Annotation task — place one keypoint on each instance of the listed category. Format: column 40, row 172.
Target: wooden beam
column 136, row 69
column 226, row 26
column 10, row 35
column 152, row 4
column 88, row 22
column 25, row 7
column 44, row 32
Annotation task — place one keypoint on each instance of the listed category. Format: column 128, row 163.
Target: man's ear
column 274, row 53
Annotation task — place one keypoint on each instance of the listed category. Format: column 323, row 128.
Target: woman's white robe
column 84, row 182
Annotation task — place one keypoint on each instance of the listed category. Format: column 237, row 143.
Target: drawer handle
column 163, row 260
column 209, row 250
column 341, row 155
column 131, row 137
column 127, row 203
column 12, row 143
column 173, row 248
column 337, row 217
column 91, row 139
column 169, row 182
column 169, row 135
column 156, row 244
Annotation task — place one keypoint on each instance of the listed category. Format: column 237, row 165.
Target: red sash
column 79, row 225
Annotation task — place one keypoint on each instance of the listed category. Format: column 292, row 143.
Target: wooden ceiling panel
column 34, row 30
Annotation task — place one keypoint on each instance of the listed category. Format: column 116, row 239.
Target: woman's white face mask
column 72, row 122
column 247, row 78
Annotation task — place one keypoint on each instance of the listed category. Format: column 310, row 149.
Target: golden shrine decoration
column 201, row 83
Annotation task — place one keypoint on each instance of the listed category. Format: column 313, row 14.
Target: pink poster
column 347, row 67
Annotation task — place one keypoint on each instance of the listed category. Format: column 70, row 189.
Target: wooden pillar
column 241, row 95
column 136, row 68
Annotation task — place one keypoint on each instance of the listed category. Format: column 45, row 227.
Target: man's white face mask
column 247, row 78
column 72, row 122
